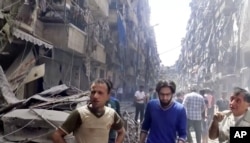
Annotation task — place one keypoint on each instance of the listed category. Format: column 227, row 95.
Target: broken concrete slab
column 31, row 125
column 54, row 90
column 6, row 90
column 81, row 97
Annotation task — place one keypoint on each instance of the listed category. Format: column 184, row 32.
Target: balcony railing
column 65, row 36
column 99, row 54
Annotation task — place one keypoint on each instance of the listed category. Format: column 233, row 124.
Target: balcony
column 55, row 11
column 99, row 8
column 99, row 54
column 65, row 36
column 132, row 16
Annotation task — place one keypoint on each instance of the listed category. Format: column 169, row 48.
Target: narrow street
column 59, row 55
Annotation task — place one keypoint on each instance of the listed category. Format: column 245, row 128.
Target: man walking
column 140, row 99
column 114, row 104
column 151, row 94
column 179, row 97
column 164, row 117
column 92, row 122
column 195, row 106
column 223, row 103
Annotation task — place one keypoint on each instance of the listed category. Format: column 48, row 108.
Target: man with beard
column 92, row 122
column 237, row 116
column 164, row 117
column 195, row 106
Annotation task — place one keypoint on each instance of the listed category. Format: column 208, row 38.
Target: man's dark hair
column 202, row 92
column 240, row 91
column 105, row 81
column 208, row 91
column 163, row 83
column 179, row 94
column 141, row 86
column 151, row 89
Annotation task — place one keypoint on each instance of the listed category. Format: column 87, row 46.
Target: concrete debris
column 54, row 90
column 5, row 89
column 132, row 128
column 21, row 124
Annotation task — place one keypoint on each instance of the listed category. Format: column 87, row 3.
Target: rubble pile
column 132, row 128
column 35, row 118
column 32, row 120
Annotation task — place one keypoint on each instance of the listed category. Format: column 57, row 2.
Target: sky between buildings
column 172, row 17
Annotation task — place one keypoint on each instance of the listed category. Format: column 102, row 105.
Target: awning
column 27, row 37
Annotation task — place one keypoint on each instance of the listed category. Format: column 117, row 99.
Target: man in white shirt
column 120, row 93
column 140, row 99
column 237, row 116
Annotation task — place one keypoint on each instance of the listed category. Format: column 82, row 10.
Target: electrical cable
column 169, row 50
column 17, row 129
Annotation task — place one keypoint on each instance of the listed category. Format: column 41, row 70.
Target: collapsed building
column 61, row 46
column 74, row 42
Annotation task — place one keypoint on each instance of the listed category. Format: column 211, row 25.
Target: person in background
column 237, row 116
column 140, row 100
column 195, row 106
column 164, row 119
column 223, row 103
column 204, row 119
column 92, row 122
column 113, row 103
column 179, row 97
column 151, row 95
column 209, row 95
column 120, row 93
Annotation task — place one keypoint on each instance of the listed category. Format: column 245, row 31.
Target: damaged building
column 211, row 54
column 46, row 44
column 53, row 42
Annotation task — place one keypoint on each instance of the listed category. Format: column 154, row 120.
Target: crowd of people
column 164, row 115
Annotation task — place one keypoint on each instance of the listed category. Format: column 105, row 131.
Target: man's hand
column 218, row 117
column 120, row 135
column 58, row 136
column 214, row 128
column 143, row 136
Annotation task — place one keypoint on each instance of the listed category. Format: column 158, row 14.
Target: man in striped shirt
column 195, row 106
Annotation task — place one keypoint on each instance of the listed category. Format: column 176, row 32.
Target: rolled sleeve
column 147, row 120
column 118, row 123
column 71, row 123
column 182, row 125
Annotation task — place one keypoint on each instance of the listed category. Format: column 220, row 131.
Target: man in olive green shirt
column 93, row 122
